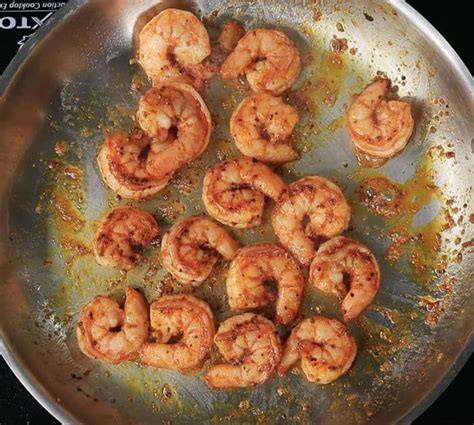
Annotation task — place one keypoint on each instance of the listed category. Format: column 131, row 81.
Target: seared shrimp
column 322, row 202
column 255, row 265
column 325, row 346
column 110, row 333
column 123, row 235
column 379, row 129
column 178, row 316
column 251, row 345
column 192, row 247
column 177, row 124
column 268, row 58
column 171, row 44
column 122, row 163
column 234, row 191
column 178, row 120
column 261, row 127
column 343, row 256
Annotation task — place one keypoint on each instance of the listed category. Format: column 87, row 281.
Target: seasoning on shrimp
column 261, row 127
column 325, row 346
column 325, row 206
column 176, row 127
column 186, row 319
column 268, row 58
column 253, row 267
column 251, row 347
column 340, row 257
column 379, row 129
column 123, row 235
column 171, row 44
column 228, row 38
column 234, row 191
column 178, row 120
column 122, row 164
column 192, row 247
column 110, row 333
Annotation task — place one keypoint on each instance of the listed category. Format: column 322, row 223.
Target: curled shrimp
column 123, row 235
column 110, row 333
column 325, row 346
column 261, row 127
column 178, row 120
column 342, row 256
column 181, row 317
column 253, row 267
column 234, row 191
column 176, row 126
column 192, row 247
column 122, row 163
column 252, row 348
column 318, row 199
column 379, row 129
column 171, row 44
column 268, row 58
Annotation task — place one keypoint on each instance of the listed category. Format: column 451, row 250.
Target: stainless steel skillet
column 71, row 82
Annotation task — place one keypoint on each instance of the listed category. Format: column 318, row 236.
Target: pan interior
column 76, row 86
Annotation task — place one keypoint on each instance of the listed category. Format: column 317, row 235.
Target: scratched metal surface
column 75, row 85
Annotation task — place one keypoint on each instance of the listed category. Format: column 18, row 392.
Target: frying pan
column 71, row 83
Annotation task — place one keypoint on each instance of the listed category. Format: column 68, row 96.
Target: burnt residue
column 368, row 17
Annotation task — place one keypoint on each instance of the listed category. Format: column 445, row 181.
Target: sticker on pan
column 18, row 22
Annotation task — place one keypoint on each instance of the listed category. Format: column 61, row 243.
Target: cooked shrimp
column 182, row 317
column 379, row 129
column 268, row 58
column 177, row 124
column 228, row 38
column 325, row 346
column 234, row 191
column 171, row 44
column 192, row 247
column 178, row 120
column 251, row 345
column 261, row 127
column 343, row 256
column 123, row 235
column 110, row 333
column 322, row 202
column 122, row 163
column 253, row 267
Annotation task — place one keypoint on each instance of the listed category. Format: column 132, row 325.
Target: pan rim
column 28, row 379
